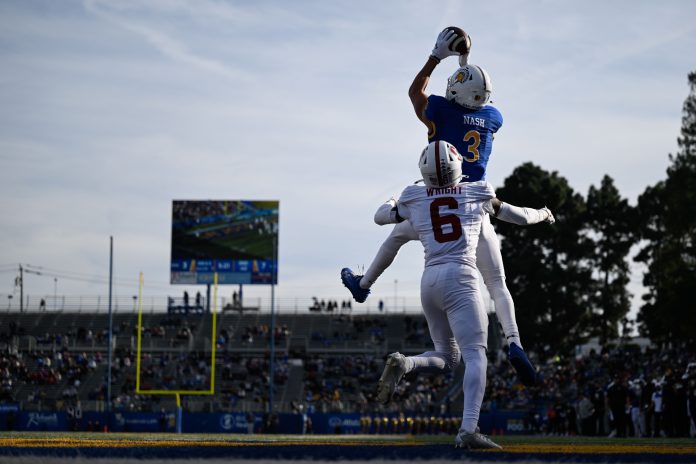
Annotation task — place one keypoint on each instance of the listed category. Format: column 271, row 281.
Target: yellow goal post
column 213, row 344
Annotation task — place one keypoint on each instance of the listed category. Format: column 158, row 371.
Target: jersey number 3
column 439, row 220
column 473, row 138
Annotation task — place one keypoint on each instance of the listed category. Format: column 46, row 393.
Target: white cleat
column 394, row 371
column 474, row 440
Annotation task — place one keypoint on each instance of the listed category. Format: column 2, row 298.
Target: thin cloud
column 167, row 45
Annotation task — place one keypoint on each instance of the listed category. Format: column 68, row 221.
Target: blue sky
column 111, row 109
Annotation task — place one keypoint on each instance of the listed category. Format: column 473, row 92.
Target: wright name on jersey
column 447, row 220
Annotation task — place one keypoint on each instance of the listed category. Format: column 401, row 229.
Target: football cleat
column 474, row 440
column 352, row 283
column 520, row 361
column 394, row 371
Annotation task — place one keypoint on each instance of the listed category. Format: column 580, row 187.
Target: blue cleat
column 352, row 283
column 520, row 361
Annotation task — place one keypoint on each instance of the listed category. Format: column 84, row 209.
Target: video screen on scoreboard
column 235, row 238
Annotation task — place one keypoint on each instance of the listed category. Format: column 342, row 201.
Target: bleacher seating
column 170, row 339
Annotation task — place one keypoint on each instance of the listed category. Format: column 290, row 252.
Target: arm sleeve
column 387, row 213
column 521, row 216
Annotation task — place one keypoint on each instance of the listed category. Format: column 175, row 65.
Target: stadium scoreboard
column 238, row 239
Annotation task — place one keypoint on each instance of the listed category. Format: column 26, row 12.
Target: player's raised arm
column 442, row 49
column 419, row 99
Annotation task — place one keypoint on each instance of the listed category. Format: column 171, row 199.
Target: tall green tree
column 547, row 272
column 611, row 224
column 668, row 226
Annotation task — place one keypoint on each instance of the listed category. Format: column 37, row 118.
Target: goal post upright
column 177, row 393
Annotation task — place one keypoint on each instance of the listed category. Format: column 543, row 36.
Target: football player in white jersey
column 447, row 216
column 468, row 91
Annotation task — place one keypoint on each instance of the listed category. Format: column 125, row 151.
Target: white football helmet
column 441, row 165
column 469, row 86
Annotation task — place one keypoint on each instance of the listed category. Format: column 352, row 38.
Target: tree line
column 570, row 280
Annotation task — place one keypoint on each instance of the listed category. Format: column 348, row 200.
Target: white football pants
column 489, row 261
column 456, row 318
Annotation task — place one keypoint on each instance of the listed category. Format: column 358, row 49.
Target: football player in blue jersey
column 464, row 119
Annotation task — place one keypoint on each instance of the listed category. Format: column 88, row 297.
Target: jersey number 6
column 438, row 220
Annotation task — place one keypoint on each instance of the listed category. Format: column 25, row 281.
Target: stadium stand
column 325, row 362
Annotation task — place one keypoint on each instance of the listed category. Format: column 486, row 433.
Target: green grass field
column 372, row 439
column 344, row 447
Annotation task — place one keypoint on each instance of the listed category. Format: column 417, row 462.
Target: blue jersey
column 470, row 131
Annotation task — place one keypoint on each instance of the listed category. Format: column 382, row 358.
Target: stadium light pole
column 272, row 331
column 111, row 332
column 55, row 292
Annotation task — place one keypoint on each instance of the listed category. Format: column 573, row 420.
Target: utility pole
column 21, row 289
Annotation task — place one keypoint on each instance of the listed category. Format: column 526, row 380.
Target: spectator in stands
column 617, row 399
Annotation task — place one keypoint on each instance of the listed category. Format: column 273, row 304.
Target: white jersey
column 447, row 221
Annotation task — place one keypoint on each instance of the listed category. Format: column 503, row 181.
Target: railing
column 155, row 304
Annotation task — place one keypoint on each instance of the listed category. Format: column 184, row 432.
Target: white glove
column 550, row 219
column 442, row 45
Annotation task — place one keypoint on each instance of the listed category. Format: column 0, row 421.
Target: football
column 462, row 44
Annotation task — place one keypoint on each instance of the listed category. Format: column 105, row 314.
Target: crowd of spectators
column 330, row 306
column 262, row 332
column 347, row 383
column 618, row 390
column 12, row 371
column 347, row 331
column 246, row 379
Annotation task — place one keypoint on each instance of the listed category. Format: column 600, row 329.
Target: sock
column 474, row 386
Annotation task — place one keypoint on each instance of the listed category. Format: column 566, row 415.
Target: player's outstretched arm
column 416, row 92
column 518, row 215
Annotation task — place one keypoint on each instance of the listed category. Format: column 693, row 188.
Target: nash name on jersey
column 470, row 131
